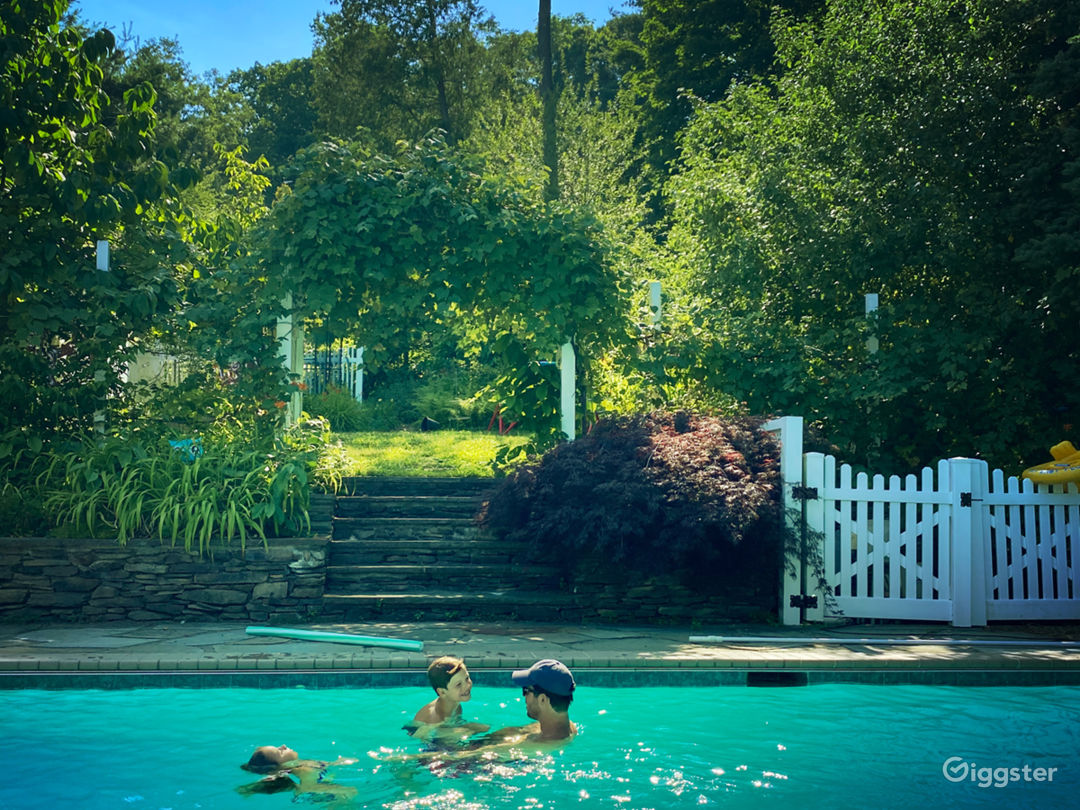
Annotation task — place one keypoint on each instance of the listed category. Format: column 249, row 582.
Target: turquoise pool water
column 823, row 746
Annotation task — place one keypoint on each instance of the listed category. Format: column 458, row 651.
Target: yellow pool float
column 1065, row 467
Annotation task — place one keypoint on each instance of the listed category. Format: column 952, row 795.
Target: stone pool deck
column 50, row 655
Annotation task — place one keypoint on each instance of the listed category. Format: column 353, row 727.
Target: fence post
column 968, row 483
column 290, row 337
column 568, row 392
column 790, row 434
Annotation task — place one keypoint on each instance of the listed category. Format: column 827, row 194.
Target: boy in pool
column 441, row 718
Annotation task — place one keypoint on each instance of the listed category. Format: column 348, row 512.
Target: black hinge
column 967, row 500
column 803, row 600
column 804, row 493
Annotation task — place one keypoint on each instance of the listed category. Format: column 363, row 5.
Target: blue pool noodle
column 340, row 638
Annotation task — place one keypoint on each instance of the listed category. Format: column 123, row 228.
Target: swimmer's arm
column 439, row 731
column 422, row 731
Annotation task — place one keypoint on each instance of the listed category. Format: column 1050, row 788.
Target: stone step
column 346, row 579
column 462, row 506
column 451, row 605
column 364, row 485
column 449, row 528
column 421, row 551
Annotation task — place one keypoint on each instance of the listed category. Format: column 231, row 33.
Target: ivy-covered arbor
column 372, row 245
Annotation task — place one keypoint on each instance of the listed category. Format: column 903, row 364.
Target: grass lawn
column 441, row 453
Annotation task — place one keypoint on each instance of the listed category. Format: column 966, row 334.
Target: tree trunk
column 547, row 97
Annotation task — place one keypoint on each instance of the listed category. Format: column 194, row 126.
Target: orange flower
column 279, row 404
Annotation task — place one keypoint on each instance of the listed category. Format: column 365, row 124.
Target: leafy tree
column 76, row 166
column 280, row 96
column 382, row 247
column 398, row 69
column 884, row 158
column 696, row 47
column 548, row 102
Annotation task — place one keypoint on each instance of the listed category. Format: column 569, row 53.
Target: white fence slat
column 1029, row 559
column 911, row 539
column 877, row 538
column 815, row 517
column 999, row 588
column 862, row 543
column 1045, row 579
column 1073, row 546
column 848, row 544
column 890, row 529
column 944, row 521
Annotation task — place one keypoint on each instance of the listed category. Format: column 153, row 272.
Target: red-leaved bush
column 659, row 493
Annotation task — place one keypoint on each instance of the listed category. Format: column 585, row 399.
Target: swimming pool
column 829, row 745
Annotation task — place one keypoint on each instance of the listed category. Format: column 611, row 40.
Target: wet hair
column 261, row 763
column 560, row 703
column 442, row 669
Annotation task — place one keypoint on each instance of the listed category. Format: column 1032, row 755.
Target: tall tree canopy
column 890, row 157
column 399, row 68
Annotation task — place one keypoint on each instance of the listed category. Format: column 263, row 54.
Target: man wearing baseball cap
column 548, row 689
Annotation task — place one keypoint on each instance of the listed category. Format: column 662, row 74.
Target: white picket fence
column 959, row 544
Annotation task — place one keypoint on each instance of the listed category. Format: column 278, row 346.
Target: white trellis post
column 655, row 303
column 355, row 358
column 102, row 263
column 871, row 310
column 568, row 390
column 291, row 340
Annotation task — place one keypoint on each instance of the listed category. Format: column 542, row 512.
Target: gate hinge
column 804, row 493
column 803, row 600
column 966, row 499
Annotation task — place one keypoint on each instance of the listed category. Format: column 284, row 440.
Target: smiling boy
column 450, row 679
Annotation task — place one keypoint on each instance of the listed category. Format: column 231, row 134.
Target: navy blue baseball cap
column 550, row 675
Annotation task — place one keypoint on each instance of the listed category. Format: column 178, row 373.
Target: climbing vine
column 372, row 245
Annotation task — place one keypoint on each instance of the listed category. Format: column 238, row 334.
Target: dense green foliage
column 894, row 154
column 771, row 162
column 75, row 166
column 385, row 249
column 232, row 490
column 658, row 493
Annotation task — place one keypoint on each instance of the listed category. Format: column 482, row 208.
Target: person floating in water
column 441, row 718
column 282, row 769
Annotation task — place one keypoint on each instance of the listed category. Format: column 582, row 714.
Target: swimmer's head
column 548, row 677
column 442, row 670
column 269, row 758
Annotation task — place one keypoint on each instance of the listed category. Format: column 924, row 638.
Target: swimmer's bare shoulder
column 429, row 715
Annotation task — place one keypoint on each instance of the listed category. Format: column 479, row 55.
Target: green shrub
column 237, row 489
column 339, row 408
column 660, row 493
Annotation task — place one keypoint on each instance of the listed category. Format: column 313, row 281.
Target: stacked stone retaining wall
column 608, row 593
column 98, row 580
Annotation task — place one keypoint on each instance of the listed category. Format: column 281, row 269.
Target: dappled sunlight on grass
column 443, row 453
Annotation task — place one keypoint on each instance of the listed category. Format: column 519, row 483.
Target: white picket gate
column 958, row 544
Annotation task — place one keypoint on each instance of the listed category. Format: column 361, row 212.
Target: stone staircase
column 409, row 549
